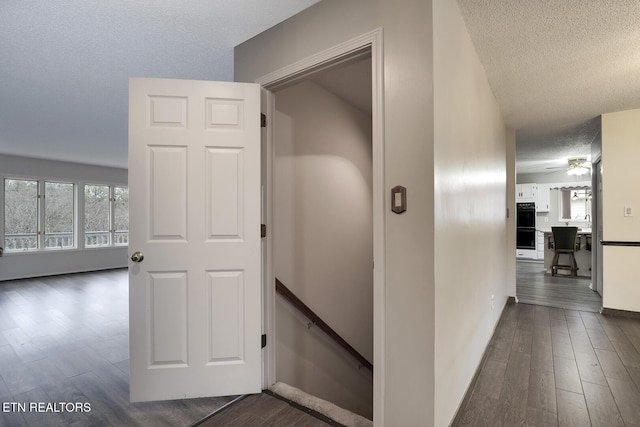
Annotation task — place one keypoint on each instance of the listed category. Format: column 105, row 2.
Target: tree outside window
column 20, row 215
column 38, row 214
column 121, row 215
column 59, row 209
column 97, row 206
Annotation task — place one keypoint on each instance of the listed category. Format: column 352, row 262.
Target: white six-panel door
column 194, row 183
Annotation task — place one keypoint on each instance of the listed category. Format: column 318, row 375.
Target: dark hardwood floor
column 557, row 367
column 534, row 286
column 66, row 339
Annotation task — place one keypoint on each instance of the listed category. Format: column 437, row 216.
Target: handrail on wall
column 304, row 309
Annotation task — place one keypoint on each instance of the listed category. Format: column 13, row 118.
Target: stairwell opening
column 323, row 230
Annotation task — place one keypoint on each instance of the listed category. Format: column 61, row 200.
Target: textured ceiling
column 556, row 64
column 65, row 64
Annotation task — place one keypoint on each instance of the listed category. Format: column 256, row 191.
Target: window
column 121, row 215
column 96, row 215
column 38, row 214
column 106, row 215
column 576, row 204
column 20, row 215
column 43, row 215
column 59, row 209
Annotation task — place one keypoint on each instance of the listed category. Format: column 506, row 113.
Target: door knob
column 137, row 256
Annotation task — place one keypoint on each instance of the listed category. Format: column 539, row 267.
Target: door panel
column 194, row 182
column 224, row 193
column 168, row 188
column 168, row 319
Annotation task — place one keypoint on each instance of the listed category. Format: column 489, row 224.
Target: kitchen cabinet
column 526, row 192
column 542, row 198
column 526, row 254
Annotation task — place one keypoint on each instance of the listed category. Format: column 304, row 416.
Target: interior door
column 195, row 268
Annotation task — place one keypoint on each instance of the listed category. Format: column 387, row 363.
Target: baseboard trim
column 615, row 312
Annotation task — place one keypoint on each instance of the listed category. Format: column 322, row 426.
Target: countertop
column 583, row 231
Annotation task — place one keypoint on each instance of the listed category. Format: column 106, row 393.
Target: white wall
column 470, row 210
column 407, row 393
column 41, row 263
column 323, row 239
column 620, row 151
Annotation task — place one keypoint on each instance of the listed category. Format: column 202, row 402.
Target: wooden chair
column 564, row 239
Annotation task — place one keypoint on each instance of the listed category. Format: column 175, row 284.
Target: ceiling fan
column 576, row 166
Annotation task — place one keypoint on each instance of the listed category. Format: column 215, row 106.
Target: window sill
column 57, row 251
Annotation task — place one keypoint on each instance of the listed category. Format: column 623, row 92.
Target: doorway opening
column 309, row 74
column 556, row 200
column 323, row 231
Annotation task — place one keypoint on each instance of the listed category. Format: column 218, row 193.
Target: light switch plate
column 398, row 199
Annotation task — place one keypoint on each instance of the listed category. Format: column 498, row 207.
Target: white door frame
column 369, row 42
column 596, row 225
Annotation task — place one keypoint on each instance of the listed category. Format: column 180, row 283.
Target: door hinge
column 263, row 230
column 264, row 341
column 263, row 120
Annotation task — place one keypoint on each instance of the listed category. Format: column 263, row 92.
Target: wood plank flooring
column 534, row 286
column 65, row 339
column 557, row 367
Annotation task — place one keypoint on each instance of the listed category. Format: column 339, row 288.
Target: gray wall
column 409, row 294
column 42, row 263
column 419, row 384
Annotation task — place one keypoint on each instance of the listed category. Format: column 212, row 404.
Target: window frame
column 112, row 229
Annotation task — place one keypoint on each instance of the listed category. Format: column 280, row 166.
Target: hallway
column 557, row 367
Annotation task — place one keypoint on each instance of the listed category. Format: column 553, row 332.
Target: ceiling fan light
column 577, row 170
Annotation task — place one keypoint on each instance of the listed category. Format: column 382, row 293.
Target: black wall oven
column 526, row 226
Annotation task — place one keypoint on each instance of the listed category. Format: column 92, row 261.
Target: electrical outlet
column 627, row 211
column 546, row 219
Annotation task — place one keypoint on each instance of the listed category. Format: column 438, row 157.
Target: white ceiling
column 555, row 65
column 65, row 64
